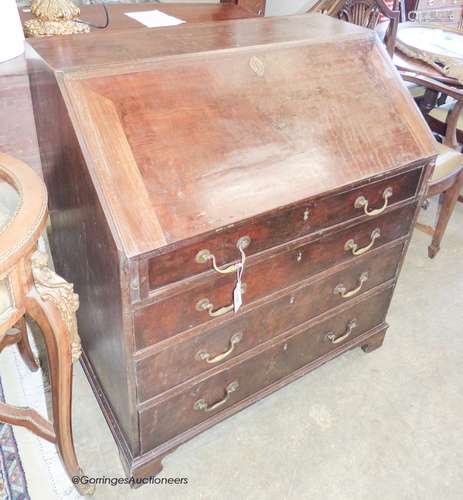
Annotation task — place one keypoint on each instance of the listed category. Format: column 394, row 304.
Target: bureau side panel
column 86, row 253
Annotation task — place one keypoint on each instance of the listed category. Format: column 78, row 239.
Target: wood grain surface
column 160, row 143
column 206, row 136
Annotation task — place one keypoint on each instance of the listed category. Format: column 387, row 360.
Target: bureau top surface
column 225, row 121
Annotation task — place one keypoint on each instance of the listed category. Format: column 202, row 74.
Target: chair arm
column 452, row 124
column 450, row 138
column 432, row 84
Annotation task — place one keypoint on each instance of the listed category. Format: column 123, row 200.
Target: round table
column 432, row 51
column 412, row 65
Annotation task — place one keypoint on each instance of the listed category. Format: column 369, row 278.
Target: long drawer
column 214, row 347
column 283, row 225
column 171, row 416
column 211, row 297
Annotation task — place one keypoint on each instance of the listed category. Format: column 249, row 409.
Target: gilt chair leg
column 48, row 318
column 447, row 202
column 52, row 304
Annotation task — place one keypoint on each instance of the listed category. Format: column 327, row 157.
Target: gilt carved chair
column 447, row 179
column 28, row 287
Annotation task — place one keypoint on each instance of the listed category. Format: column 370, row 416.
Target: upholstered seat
column 441, row 112
column 416, row 91
column 448, row 161
column 446, row 181
column 447, row 178
column 9, row 201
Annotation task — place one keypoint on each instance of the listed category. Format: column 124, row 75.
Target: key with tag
column 237, row 297
column 238, row 291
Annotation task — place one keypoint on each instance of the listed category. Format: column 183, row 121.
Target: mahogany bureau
column 233, row 202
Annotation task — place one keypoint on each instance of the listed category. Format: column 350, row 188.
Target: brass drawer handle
column 202, row 405
column 351, row 245
column 206, row 305
column 362, row 202
column 205, row 356
column 331, row 337
column 204, row 255
column 341, row 289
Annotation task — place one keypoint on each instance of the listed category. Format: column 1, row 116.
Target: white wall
column 285, row 7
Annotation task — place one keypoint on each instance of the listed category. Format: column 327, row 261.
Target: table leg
column 52, row 304
column 428, row 103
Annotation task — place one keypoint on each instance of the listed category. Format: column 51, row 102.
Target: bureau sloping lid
column 181, row 144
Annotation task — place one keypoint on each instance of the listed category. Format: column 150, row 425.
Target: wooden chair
column 29, row 287
column 366, row 13
column 447, row 179
column 439, row 117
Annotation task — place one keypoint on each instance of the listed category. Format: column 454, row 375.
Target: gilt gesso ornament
column 55, row 289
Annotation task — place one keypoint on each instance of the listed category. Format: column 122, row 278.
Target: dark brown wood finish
column 75, row 51
column 18, row 135
column 175, row 414
column 308, row 217
column 207, row 194
column 264, row 277
column 151, row 462
column 257, row 324
column 71, row 191
column 171, row 141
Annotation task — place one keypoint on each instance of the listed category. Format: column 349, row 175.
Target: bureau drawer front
column 162, row 319
column 168, row 418
column 283, row 226
column 216, row 346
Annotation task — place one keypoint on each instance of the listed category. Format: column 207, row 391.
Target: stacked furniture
column 233, row 202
